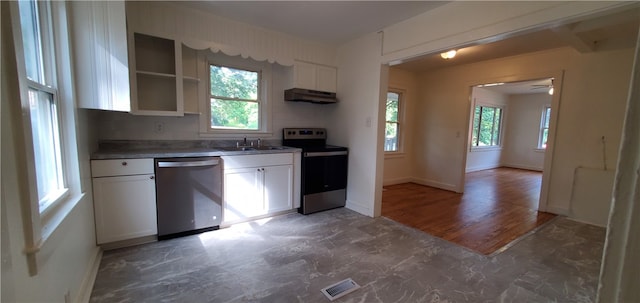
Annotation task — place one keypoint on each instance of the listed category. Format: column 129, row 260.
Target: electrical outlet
column 67, row 296
column 158, row 127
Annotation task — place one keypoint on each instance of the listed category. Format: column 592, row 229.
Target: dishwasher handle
column 213, row 162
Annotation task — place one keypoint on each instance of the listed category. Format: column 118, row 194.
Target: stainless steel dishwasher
column 188, row 195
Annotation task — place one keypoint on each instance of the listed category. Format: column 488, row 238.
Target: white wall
column 523, row 128
column 486, row 158
column 592, row 102
column 355, row 121
column 397, row 166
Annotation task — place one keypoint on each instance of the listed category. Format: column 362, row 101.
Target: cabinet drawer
column 257, row 160
column 121, row 167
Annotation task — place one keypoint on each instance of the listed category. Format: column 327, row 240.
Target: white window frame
column 544, row 119
column 500, row 130
column 400, row 122
column 40, row 225
column 264, row 96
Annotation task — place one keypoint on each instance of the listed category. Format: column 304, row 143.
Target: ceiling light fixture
column 491, row 84
column 448, row 55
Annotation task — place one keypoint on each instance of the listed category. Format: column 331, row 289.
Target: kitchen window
column 487, row 122
column 392, row 126
column 48, row 126
column 234, row 97
column 39, row 59
column 544, row 127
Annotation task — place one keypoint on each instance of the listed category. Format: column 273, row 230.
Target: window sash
column 392, row 126
column 45, row 126
column 544, row 128
column 487, row 121
column 252, row 106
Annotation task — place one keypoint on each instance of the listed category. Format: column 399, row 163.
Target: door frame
column 557, row 76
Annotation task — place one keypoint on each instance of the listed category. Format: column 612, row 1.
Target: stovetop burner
column 309, row 139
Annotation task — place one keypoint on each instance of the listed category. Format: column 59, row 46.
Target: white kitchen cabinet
column 99, row 41
column 124, row 195
column 257, row 185
column 192, row 64
column 156, row 75
column 315, row 76
column 165, row 80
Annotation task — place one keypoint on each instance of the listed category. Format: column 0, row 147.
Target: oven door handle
column 188, row 163
column 325, row 154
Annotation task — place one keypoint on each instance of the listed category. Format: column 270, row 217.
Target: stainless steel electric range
column 324, row 169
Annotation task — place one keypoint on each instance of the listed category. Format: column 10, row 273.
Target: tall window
column 392, row 129
column 234, row 98
column 37, row 37
column 544, row 127
column 486, row 126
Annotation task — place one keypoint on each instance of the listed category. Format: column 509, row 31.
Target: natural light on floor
column 237, row 231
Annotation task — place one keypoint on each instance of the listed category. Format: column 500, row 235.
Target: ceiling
column 329, row 22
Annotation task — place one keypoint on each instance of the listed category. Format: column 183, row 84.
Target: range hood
column 308, row 95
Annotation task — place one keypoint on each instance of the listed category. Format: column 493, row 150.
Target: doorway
column 510, row 126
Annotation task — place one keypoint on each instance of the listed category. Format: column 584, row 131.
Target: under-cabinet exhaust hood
column 308, row 95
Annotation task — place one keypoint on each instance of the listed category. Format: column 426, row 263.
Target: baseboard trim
column 479, row 168
column 396, row 181
column 557, row 210
column 86, row 287
column 525, row 167
column 359, row 207
column 435, row 184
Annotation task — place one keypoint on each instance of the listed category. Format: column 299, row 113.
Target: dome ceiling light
column 448, row 55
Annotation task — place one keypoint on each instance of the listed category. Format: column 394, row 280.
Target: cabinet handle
column 152, row 177
column 124, row 163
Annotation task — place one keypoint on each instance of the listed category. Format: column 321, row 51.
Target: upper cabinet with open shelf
column 155, row 71
column 167, row 81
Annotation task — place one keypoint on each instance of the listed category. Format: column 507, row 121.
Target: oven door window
column 324, row 173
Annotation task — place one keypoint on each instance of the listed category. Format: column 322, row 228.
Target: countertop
column 173, row 149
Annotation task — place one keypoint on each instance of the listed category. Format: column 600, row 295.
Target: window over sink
column 238, row 93
column 234, row 98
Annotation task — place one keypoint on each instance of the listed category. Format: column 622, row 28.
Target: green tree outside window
column 234, row 98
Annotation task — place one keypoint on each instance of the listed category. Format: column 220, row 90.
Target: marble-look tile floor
column 291, row 257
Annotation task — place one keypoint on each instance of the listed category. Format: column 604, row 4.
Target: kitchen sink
column 250, row 148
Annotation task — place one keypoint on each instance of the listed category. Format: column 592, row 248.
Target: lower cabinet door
column 125, row 207
column 243, row 194
column 278, row 188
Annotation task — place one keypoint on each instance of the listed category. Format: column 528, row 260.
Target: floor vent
column 340, row 289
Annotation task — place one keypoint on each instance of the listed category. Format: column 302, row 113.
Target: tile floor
column 290, row 258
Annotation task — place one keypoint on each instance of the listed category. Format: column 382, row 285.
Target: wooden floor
column 498, row 206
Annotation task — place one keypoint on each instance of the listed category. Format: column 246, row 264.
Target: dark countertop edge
column 139, row 154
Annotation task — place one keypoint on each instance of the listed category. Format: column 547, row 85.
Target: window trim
column 401, row 105
column 500, row 130
column 264, row 96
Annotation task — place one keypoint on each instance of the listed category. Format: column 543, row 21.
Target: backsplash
column 125, row 126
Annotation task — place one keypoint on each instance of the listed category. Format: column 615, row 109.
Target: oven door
column 324, row 180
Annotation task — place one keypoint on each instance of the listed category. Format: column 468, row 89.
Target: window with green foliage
column 234, row 98
column 392, row 128
column 486, row 126
column 544, row 127
column 39, row 59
